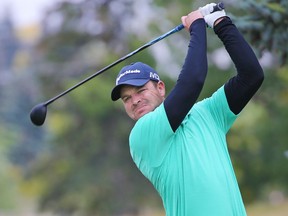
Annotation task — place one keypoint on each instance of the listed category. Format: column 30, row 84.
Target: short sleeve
column 218, row 106
column 150, row 139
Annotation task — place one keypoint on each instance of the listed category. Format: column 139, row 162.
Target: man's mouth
column 140, row 109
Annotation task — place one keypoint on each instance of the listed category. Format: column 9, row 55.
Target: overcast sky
column 25, row 12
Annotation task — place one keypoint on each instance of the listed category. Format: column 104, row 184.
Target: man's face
column 139, row 101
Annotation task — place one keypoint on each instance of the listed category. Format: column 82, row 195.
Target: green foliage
column 88, row 169
column 7, row 184
column 265, row 24
column 20, row 141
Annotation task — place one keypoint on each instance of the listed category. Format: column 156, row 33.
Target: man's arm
column 240, row 88
column 192, row 76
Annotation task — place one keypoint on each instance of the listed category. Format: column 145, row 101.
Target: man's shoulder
column 151, row 117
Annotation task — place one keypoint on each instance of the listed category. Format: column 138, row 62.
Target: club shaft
column 174, row 30
column 178, row 28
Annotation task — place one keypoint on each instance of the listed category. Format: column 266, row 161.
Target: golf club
column 39, row 112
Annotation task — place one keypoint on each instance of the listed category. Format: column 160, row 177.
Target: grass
column 256, row 209
column 268, row 209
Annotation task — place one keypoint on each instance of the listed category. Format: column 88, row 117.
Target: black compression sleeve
column 239, row 89
column 191, row 79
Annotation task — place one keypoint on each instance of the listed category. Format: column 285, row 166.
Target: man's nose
column 136, row 99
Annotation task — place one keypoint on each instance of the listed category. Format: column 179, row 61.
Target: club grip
column 218, row 7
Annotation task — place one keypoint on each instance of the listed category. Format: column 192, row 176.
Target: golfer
column 180, row 144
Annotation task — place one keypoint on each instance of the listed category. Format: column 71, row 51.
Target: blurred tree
column 19, row 142
column 88, row 169
column 265, row 25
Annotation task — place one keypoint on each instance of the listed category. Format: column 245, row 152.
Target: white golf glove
column 209, row 17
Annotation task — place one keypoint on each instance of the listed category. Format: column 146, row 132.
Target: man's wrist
column 218, row 21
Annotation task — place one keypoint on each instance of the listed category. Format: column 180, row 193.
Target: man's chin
column 141, row 114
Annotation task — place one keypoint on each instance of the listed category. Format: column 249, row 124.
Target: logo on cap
column 154, row 76
column 125, row 73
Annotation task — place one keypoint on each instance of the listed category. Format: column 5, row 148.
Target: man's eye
column 141, row 90
column 125, row 99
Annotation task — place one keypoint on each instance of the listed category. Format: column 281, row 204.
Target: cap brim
column 115, row 94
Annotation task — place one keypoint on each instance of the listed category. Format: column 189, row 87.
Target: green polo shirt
column 190, row 168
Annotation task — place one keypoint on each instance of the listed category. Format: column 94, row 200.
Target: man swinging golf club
column 178, row 144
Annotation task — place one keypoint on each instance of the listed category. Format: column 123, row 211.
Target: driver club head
column 38, row 114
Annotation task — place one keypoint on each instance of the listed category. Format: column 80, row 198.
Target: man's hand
column 190, row 18
column 211, row 18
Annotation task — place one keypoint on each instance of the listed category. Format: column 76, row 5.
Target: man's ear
column 161, row 88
